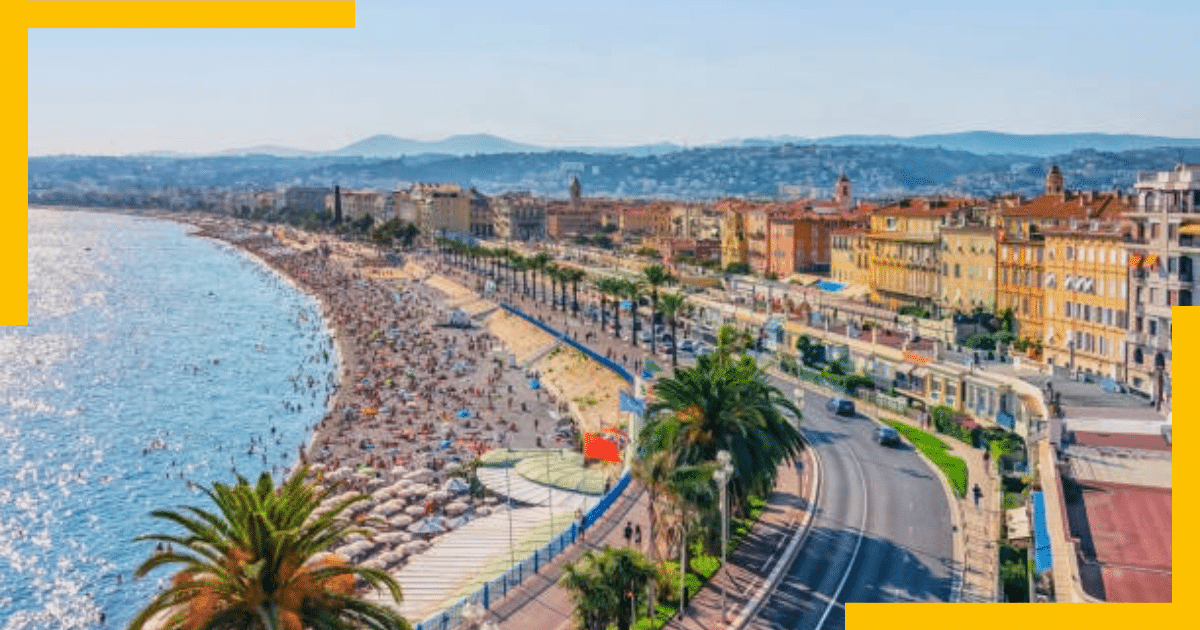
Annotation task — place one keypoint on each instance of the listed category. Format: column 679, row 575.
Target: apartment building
column 1163, row 247
column 565, row 221
column 519, row 216
column 441, row 208
column 968, row 256
column 905, row 243
column 357, row 204
column 734, row 246
column 482, row 225
column 850, row 256
column 304, row 198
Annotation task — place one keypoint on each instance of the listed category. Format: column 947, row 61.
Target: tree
column 633, row 290
column 731, row 341
column 811, row 352
column 574, row 276
column 656, row 276
column 673, row 305
column 722, row 404
column 538, row 263
column 615, row 288
column 604, row 585
column 738, row 268
column 255, row 563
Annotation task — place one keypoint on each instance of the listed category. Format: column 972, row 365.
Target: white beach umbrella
column 439, row 495
column 402, row 520
column 455, row 508
column 456, row 484
column 416, row 546
column 414, row 510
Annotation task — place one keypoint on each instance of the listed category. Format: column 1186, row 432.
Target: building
column 905, row 244
column 636, row 220
column 968, row 259
column 482, row 225
column 305, row 199
column 850, row 256
column 565, row 221
column 441, row 209
column 695, row 221
column 1021, row 259
column 519, row 217
column 1164, row 245
column 357, row 204
column 1085, row 291
column 734, row 246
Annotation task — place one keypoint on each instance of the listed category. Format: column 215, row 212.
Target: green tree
column 673, row 305
column 574, row 276
column 723, row 404
column 255, row 563
column 611, row 288
column 656, row 276
column 539, row 262
column 633, row 289
column 731, row 341
column 811, row 352
column 603, row 586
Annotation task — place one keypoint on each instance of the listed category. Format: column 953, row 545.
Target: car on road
column 646, row 336
column 840, row 406
column 686, row 346
column 887, row 436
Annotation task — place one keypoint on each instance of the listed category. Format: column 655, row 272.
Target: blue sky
column 618, row 73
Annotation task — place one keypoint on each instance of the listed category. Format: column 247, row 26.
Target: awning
column 919, row 373
column 1151, row 261
column 1190, row 230
column 1135, row 260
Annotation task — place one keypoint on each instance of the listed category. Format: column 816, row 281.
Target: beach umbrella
column 439, row 495
column 431, row 525
column 491, row 500
column 444, row 445
column 452, row 467
column 455, row 508
column 456, row 484
column 458, row 522
column 534, row 384
column 403, row 520
column 419, row 475
column 416, row 546
column 414, row 510
column 464, row 413
column 483, row 511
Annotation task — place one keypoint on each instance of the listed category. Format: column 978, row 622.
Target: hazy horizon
column 620, row 74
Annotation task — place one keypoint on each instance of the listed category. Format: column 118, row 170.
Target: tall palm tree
column 633, row 289
column 602, row 585
column 574, row 276
column 539, row 263
column 601, row 287
column 254, row 564
column 555, row 273
column 615, row 288
column 656, row 276
column 673, row 305
column 725, row 405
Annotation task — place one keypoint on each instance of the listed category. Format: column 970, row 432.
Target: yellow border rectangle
column 190, row 14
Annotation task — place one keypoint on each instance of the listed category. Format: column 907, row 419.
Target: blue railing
column 612, row 365
column 495, row 590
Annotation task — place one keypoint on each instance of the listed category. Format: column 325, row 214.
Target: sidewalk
column 747, row 569
column 976, row 529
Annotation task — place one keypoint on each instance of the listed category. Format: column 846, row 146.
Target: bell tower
column 841, row 191
column 1054, row 181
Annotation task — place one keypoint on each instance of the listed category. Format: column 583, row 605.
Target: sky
column 620, row 72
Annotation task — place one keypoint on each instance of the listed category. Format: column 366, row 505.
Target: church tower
column 841, row 191
column 576, row 192
column 1054, row 181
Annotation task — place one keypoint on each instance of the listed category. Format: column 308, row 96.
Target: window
column 1070, row 253
column 957, row 271
column 1153, row 327
column 891, row 223
column 990, row 271
column 1050, row 280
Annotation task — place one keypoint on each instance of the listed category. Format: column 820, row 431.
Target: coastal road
column 881, row 532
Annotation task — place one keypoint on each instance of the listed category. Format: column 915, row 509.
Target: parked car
column 687, row 346
column 840, row 406
column 665, row 348
column 646, row 337
column 887, row 436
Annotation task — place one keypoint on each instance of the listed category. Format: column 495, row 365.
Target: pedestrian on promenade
column 637, row 536
column 978, row 492
column 628, row 532
column 987, row 456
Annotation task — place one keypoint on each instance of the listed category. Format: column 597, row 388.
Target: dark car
column 840, row 406
column 887, row 436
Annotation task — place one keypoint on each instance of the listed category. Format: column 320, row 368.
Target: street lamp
column 722, row 475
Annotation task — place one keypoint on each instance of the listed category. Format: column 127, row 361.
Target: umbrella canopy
column 416, row 546
column 439, row 495
column 392, row 538
column 431, row 525
column 414, row 510
column 457, row 522
column 419, row 475
column 456, row 508
column 402, row 520
column 456, row 484
column 483, row 511
column 464, row 413
column 452, row 467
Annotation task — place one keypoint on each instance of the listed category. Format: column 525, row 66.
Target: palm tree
column 633, row 289
column 656, row 276
column 555, row 273
column 731, row 341
column 612, row 287
column 725, row 405
column 673, row 305
column 574, row 276
column 255, row 564
column 603, row 586
column 539, row 263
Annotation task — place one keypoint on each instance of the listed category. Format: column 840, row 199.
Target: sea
column 154, row 362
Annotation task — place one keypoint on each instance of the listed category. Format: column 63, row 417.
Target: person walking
column 629, row 532
column 978, row 492
column 637, row 536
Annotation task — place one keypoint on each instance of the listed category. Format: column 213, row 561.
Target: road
column 881, row 532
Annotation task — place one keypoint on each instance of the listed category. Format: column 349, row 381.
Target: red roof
column 1151, row 442
column 1126, row 531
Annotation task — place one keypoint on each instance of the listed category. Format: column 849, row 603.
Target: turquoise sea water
column 152, row 359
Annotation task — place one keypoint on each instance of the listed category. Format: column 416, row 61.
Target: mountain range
column 978, row 142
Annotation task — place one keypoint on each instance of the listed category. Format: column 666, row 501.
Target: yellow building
column 905, row 243
column 968, row 268
column 850, row 257
column 1020, row 261
column 1086, row 293
column 733, row 238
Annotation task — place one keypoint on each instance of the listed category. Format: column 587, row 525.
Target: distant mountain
column 268, row 149
column 992, row 142
column 385, row 145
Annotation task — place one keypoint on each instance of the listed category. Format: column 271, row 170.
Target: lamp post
column 722, row 475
